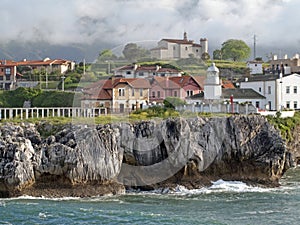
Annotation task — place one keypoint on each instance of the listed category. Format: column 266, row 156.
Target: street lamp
column 63, row 83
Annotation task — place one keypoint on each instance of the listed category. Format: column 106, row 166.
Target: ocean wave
column 221, row 186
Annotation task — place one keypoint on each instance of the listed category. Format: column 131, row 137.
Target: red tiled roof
column 100, row 95
column 127, row 67
column 43, row 62
column 184, row 80
column 166, row 83
column 179, row 41
column 227, row 84
column 135, row 82
column 197, row 45
column 168, row 70
column 148, row 68
column 200, row 80
column 4, row 63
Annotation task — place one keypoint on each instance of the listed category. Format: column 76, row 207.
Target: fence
column 219, row 108
column 26, row 113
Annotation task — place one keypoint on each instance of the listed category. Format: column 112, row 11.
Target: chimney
column 185, row 36
column 275, row 57
column 285, row 56
column 135, row 66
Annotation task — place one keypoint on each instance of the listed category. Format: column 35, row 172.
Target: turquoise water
column 222, row 203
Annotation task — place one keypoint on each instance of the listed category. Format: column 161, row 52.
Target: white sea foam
column 220, row 186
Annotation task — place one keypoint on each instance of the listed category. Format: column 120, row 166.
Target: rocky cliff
column 80, row 160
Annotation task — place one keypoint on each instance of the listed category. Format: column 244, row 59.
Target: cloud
column 121, row 21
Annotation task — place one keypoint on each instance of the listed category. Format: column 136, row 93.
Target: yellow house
column 130, row 94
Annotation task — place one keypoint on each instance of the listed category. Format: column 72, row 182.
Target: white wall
column 277, row 95
column 255, row 68
column 292, row 81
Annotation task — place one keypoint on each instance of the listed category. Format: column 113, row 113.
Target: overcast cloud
column 275, row 22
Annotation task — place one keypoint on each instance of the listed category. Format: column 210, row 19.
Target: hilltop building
column 179, row 48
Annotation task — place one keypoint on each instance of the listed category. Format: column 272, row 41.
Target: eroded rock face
column 145, row 153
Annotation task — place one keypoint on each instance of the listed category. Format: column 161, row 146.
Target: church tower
column 212, row 85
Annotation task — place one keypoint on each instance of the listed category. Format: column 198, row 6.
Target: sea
column 224, row 202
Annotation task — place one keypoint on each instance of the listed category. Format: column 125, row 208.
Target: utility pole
column 83, row 67
column 254, row 46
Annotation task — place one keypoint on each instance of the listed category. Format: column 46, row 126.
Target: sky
column 114, row 23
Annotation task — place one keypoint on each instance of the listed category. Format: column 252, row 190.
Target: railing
column 26, row 113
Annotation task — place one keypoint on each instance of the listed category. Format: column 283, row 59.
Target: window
column 197, row 50
column 132, row 91
column 288, row 105
column 175, row 93
column 1, row 77
column 7, row 76
column 186, row 48
column 174, row 48
column 158, row 94
column 295, row 89
column 295, row 105
column 270, row 105
column 121, row 92
column 189, row 93
column 128, row 72
column 269, row 90
column 141, row 92
column 287, row 89
column 141, row 73
column 153, row 94
column 257, row 104
column 259, row 89
column 7, row 71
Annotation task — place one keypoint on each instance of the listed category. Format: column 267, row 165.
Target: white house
column 280, row 91
column 179, row 48
column 255, row 67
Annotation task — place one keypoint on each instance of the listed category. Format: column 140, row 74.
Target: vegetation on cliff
column 285, row 125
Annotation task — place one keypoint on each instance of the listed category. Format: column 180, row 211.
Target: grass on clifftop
column 285, row 125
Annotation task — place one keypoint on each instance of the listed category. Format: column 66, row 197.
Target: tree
column 106, row 54
column 217, row 54
column 237, row 50
column 205, row 56
column 172, row 102
column 132, row 52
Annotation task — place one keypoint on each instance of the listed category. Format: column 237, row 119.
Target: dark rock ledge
column 82, row 161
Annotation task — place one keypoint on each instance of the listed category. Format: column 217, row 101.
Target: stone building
column 179, row 48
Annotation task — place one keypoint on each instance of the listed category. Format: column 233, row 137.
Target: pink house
column 180, row 87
